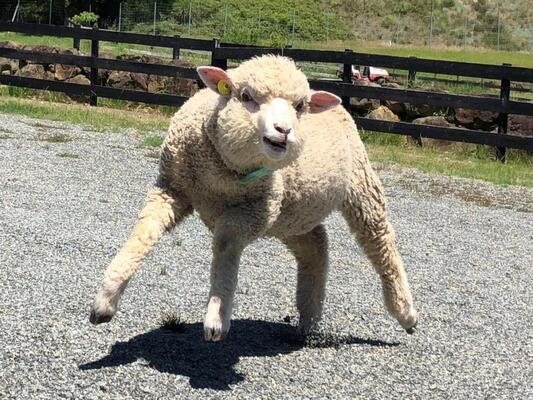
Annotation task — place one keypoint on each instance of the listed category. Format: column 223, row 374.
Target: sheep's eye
column 246, row 97
column 299, row 106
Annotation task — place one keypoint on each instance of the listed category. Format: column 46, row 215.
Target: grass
column 68, row 155
column 172, row 322
column 99, row 119
column 59, row 138
column 469, row 161
column 151, row 141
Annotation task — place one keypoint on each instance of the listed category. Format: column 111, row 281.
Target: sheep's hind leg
column 311, row 253
column 162, row 211
column 364, row 210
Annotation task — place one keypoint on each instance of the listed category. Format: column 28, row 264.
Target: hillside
column 495, row 24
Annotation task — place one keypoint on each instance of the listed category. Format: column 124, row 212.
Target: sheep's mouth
column 276, row 146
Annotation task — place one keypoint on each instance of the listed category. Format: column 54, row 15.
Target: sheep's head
column 262, row 103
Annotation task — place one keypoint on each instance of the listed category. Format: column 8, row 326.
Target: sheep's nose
column 284, row 129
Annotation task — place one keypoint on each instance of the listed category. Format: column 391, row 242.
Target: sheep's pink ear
column 216, row 79
column 322, row 101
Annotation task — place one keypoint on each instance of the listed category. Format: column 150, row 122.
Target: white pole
column 498, row 26
column 293, row 24
column 155, row 13
column 119, row 16
column 16, row 11
column 225, row 18
column 190, row 11
column 430, row 25
column 464, row 35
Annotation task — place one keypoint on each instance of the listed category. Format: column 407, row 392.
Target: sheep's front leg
column 311, row 253
column 364, row 210
column 162, row 211
column 234, row 230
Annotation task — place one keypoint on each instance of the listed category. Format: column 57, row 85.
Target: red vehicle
column 373, row 74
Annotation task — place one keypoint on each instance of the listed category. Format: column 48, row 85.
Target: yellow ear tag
column 223, row 88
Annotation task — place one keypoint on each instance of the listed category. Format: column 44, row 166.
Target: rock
column 521, row 125
column 9, row 44
column 120, row 79
column 390, row 84
column 139, row 80
column 64, row 72
column 435, row 121
column 79, row 79
column 475, row 119
column 32, row 71
column 397, row 107
column 422, row 110
column 362, row 105
column 383, row 113
column 6, row 72
column 5, row 64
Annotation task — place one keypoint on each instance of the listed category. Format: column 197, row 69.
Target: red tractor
column 373, row 74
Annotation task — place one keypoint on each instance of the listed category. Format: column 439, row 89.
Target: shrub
column 85, row 18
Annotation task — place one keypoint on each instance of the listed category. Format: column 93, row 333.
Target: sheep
column 258, row 154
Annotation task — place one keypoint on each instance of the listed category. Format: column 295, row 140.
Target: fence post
column 347, row 77
column 176, row 49
column 503, row 118
column 411, row 76
column 119, row 16
column 93, row 101
column 218, row 62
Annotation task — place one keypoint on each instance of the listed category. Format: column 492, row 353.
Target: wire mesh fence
column 500, row 25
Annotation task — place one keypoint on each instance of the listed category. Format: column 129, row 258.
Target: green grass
column 59, row 138
column 151, row 141
column 100, row 119
column 468, row 161
column 68, row 155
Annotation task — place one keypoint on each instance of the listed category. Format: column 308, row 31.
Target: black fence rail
column 222, row 52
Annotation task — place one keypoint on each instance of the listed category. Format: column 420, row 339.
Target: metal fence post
column 93, row 101
column 347, row 77
column 411, row 76
column 119, row 16
column 176, row 49
column 503, row 118
column 155, row 14
column 50, row 14
column 217, row 62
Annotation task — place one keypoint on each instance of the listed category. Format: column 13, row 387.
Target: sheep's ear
column 322, row 101
column 216, row 79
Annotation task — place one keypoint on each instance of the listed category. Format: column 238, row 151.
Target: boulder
column 120, row 79
column 5, row 64
column 521, row 125
column 390, row 84
column 383, row 113
column 397, row 107
column 435, row 121
column 362, row 105
column 64, row 72
column 8, row 44
column 79, row 79
column 36, row 71
column 475, row 119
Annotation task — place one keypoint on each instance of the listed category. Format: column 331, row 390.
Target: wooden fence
column 222, row 52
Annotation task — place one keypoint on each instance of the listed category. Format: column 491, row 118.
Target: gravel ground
column 67, row 206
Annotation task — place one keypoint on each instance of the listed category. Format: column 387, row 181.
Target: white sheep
column 257, row 154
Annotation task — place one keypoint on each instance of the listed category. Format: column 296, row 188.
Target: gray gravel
column 467, row 245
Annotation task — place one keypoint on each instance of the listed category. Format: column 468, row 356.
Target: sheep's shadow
column 211, row 365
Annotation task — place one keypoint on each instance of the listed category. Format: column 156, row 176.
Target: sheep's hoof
column 412, row 329
column 97, row 318
column 215, row 329
column 411, row 322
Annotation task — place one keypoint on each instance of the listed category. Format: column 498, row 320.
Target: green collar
column 255, row 175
